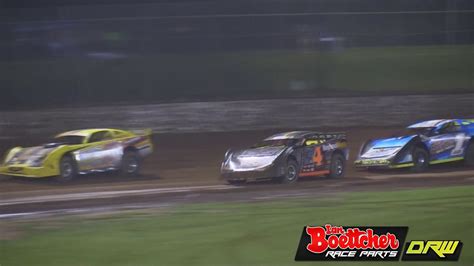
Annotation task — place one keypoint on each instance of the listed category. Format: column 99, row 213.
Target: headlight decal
column 38, row 161
column 381, row 152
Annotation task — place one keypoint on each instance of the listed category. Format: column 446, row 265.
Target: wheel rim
column 339, row 167
column 291, row 172
column 132, row 165
column 420, row 160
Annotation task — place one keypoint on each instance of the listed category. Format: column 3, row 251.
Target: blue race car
column 422, row 144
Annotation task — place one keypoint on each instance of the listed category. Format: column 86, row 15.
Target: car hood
column 254, row 158
column 385, row 147
column 260, row 152
column 25, row 155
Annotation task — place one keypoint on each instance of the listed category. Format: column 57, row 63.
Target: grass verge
column 260, row 233
column 355, row 71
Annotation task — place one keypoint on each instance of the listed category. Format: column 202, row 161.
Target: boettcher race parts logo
column 370, row 243
column 351, row 243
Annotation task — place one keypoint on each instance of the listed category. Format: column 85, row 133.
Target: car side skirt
column 314, row 173
column 403, row 165
column 447, row 160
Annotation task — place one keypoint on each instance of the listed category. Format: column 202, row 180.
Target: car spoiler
column 144, row 132
column 331, row 135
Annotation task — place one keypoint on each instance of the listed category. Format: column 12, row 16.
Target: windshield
column 275, row 142
column 70, row 140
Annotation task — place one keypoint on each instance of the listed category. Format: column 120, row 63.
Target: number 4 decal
column 318, row 156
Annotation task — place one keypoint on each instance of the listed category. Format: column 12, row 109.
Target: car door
column 448, row 141
column 103, row 153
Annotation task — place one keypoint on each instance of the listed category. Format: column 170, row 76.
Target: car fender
column 288, row 154
column 53, row 159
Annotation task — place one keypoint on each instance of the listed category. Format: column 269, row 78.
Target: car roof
column 290, row 135
column 430, row 123
column 84, row 132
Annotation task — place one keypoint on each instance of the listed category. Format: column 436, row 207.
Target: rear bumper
column 24, row 171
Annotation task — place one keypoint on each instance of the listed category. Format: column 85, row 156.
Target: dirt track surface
column 236, row 115
column 185, row 168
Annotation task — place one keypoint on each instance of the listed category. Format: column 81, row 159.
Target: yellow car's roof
column 84, row 132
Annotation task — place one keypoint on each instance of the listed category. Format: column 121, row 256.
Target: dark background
column 57, row 53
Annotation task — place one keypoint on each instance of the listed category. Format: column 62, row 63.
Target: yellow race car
column 80, row 152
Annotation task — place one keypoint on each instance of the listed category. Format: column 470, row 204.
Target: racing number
column 458, row 148
column 318, row 156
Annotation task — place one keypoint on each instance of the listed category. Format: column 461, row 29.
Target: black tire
column 469, row 156
column 131, row 164
column 421, row 160
column 291, row 172
column 67, row 169
column 337, row 168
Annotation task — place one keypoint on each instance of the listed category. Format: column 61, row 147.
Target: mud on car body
column 422, row 144
column 80, row 152
column 287, row 156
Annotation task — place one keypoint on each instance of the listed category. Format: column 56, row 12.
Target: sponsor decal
column 336, row 243
column 441, row 145
column 318, row 156
column 432, row 250
column 374, row 162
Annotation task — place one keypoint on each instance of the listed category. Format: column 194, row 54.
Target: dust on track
column 193, row 159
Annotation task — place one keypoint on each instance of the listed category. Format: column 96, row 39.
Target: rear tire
column 67, row 169
column 337, row 168
column 291, row 172
column 130, row 164
column 469, row 156
column 421, row 160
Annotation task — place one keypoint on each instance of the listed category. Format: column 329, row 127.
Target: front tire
column 130, row 164
column 291, row 172
column 469, row 156
column 67, row 169
column 337, row 168
column 421, row 160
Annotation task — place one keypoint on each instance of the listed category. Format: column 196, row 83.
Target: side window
column 313, row 141
column 108, row 135
column 99, row 136
column 450, row 128
column 310, row 141
column 118, row 134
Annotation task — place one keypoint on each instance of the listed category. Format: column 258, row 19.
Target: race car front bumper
column 24, row 170
column 252, row 175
